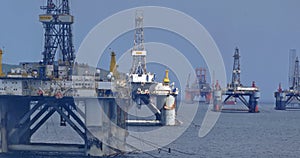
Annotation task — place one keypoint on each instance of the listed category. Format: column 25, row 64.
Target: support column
column 188, row 97
column 280, row 100
column 208, row 97
column 94, row 122
column 253, row 102
column 168, row 114
column 4, row 144
column 217, row 100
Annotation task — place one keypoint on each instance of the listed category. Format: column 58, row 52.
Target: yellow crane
column 166, row 79
column 1, row 72
column 112, row 62
column 113, row 66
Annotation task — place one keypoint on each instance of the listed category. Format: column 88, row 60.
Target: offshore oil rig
column 199, row 90
column 31, row 94
column 290, row 98
column 235, row 90
column 160, row 98
column 89, row 100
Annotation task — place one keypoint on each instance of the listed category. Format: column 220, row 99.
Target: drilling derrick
column 138, row 51
column 57, row 23
column 292, row 57
column 205, row 90
column 201, row 75
column 236, row 78
column 295, row 78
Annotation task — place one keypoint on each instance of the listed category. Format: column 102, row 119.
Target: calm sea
column 269, row 133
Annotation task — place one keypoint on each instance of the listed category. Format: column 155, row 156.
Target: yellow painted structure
column 1, row 72
column 112, row 62
column 166, row 79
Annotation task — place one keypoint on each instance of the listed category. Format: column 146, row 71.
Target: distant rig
column 199, row 90
column 95, row 107
column 290, row 98
column 236, row 91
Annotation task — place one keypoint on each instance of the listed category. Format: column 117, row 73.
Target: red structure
column 199, row 90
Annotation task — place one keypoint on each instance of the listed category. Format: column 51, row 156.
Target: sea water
column 237, row 133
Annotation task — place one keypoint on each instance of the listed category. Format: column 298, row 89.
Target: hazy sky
column 264, row 30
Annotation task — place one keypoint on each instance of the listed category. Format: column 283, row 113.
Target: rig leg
column 280, row 101
column 4, row 145
column 168, row 115
column 208, row 98
column 188, row 97
column 217, row 100
column 97, row 121
column 253, row 102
